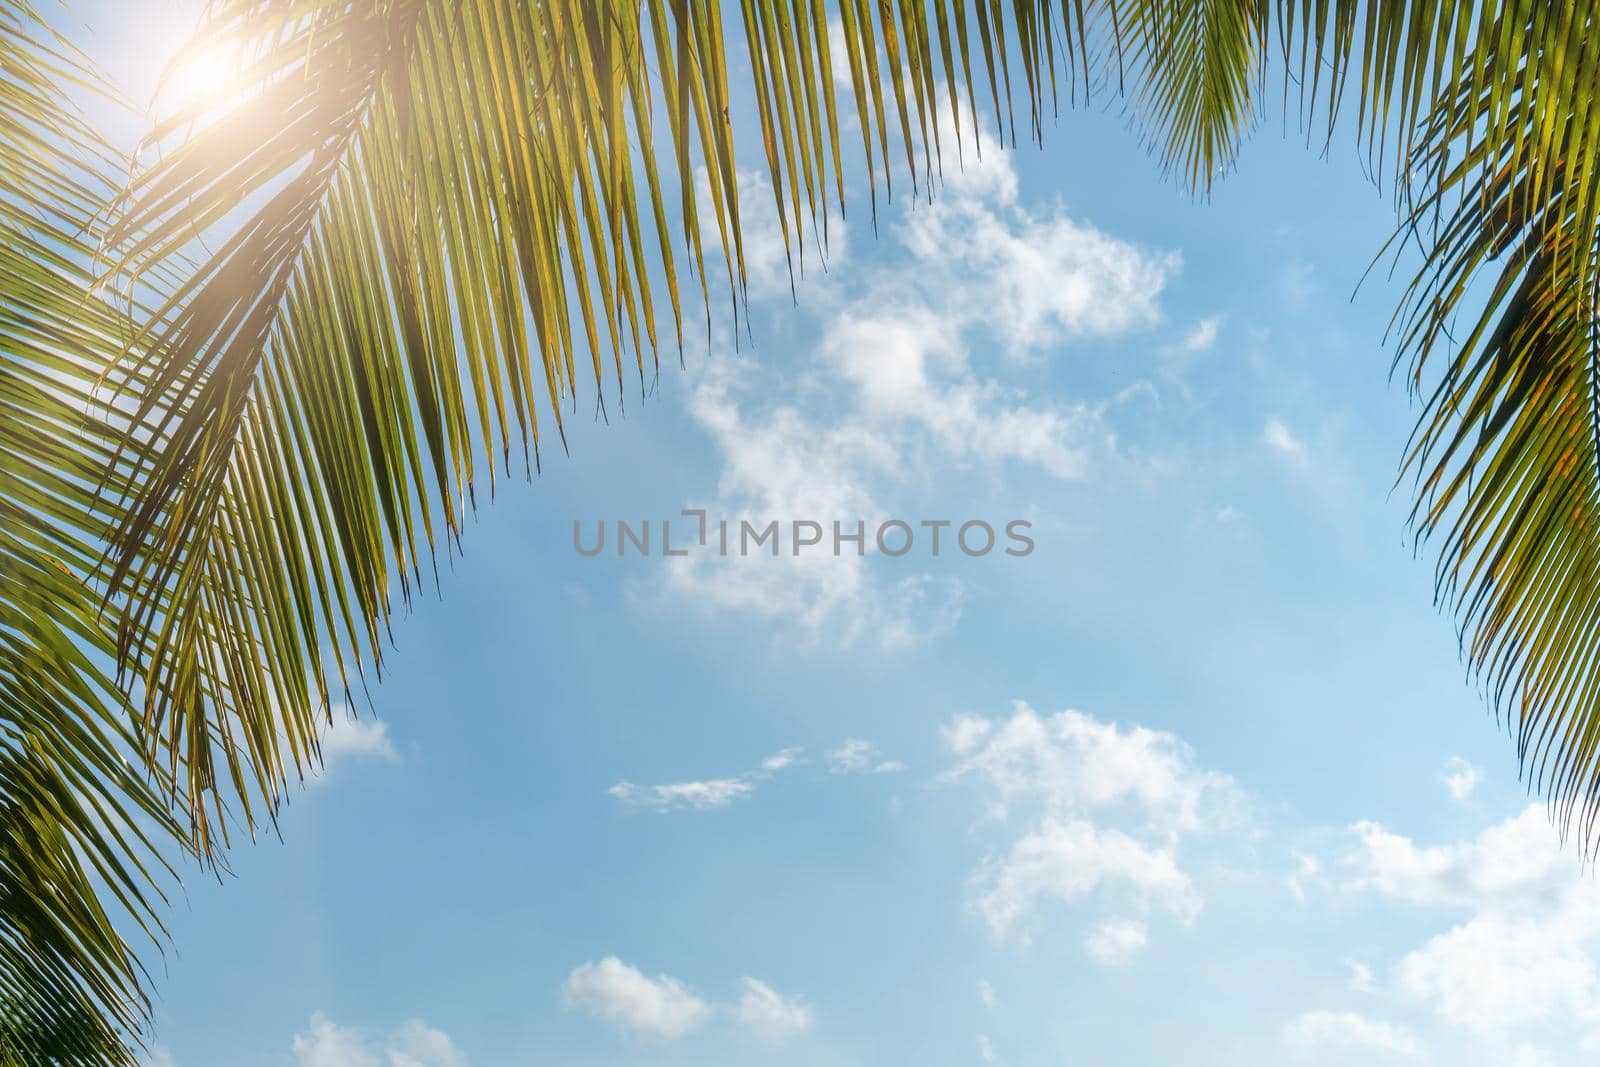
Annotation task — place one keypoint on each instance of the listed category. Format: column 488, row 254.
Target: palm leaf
column 82, row 835
column 462, row 202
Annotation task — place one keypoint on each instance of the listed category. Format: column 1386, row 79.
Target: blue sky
column 1199, row 780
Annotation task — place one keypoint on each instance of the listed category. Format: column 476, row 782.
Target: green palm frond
column 82, row 834
column 1485, row 119
column 447, row 208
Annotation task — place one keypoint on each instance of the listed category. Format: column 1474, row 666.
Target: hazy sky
column 1199, row 780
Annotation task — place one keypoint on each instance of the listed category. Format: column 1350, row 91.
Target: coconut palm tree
column 355, row 289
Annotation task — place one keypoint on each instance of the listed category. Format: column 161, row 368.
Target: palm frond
column 82, row 835
column 463, row 202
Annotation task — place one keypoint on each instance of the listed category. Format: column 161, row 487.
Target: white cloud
column 1512, row 865
column 1522, row 959
column 1278, row 437
column 1203, row 335
column 770, row 1014
column 706, row 793
column 1107, row 809
column 918, row 378
column 1069, row 860
column 856, row 756
column 711, row 793
column 159, row 1057
column 327, row 1044
column 766, row 261
column 349, row 740
column 1307, row 869
column 849, row 436
column 1041, row 278
column 1460, row 778
column 986, row 994
column 1361, row 977
column 1335, row 1031
column 1117, row 941
column 1074, row 761
column 415, row 1044
column 781, row 463
column 660, row 1007
column 779, row 760
column 1497, row 973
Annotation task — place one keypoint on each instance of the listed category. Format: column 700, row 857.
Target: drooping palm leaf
column 465, row 201
column 1485, row 119
column 82, row 835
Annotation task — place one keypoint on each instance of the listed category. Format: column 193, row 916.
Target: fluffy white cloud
column 660, row 1007
column 1117, row 941
column 896, row 388
column 351, row 740
column 1074, row 761
column 1514, row 864
column 917, row 378
column 1348, row 1032
column 415, row 1044
column 327, row 1044
column 1041, row 278
column 1106, row 810
column 1522, row 960
column 1460, row 778
column 769, row 1013
column 663, row 1007
column 1069, row 860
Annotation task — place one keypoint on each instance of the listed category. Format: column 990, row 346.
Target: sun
column 198, row 79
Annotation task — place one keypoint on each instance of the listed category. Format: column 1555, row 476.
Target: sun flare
column 200, row 79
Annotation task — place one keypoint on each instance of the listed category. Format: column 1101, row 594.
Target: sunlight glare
column 203, row 79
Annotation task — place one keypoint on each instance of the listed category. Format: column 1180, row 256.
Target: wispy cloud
column 1117, row 941
column 1460, row 778
column 1347, row 1032
column 770, row 1014
column 856, row 756
column 1202, row 335
column 1278, row 437
column 706, row 793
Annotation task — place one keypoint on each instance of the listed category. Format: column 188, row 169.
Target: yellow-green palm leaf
column 81, row 831
column 449, row 207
